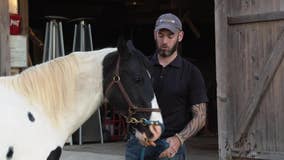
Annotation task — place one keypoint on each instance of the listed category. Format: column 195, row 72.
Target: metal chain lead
column 142, row 121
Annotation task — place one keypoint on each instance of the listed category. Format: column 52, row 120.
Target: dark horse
column 45, row 104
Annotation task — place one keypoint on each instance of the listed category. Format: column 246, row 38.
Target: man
column 180, row 91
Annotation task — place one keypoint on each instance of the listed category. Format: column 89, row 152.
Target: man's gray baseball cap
column 168, row 21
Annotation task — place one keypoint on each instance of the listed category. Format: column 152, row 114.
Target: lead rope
column 161, row 144
column 142, row 153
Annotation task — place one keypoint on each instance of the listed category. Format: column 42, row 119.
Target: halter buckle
column 116, row 78
column 131, row 111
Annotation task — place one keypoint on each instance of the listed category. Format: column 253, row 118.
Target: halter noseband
column 132, row 109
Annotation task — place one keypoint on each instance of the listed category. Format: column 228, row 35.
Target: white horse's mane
column 51, row 84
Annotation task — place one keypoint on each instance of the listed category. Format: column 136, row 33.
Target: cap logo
column 167, row 21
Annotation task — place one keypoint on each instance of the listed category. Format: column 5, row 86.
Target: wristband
column 179, row 138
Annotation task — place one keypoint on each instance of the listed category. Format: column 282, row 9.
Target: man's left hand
column 174, row 145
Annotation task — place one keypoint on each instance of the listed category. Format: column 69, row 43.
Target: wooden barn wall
column 251, row 46
column 4, row 38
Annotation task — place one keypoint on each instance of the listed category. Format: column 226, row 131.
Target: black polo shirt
column 177, row 86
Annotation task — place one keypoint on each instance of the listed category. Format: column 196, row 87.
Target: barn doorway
column 136, row 19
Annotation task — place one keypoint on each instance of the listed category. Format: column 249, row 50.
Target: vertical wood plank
column 4, row 38
column 281, row 5
column 24, row 13
column 222, row 73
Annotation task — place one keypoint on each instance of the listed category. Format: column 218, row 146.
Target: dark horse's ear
column 122, row 48
column 139, row 53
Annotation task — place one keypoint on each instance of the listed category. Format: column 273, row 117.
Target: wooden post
column 4, row 38
column 25, row 30
column 223, row 74
column 24, row 13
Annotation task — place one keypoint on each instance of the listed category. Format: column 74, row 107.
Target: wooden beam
column 258, row 155
column 264, row 17
column 24, row 13
column 264, row 79
column 269, row 155
column 222, row 75
column 4, row 38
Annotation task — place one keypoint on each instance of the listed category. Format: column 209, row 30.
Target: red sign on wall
column 15, row 22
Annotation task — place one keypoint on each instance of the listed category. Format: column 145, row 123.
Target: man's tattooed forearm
column 197, row 123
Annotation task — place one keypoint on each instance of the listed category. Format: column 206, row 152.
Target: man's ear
column 180, row 36
column 155, row 35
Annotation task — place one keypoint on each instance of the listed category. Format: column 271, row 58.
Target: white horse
column 45, row 104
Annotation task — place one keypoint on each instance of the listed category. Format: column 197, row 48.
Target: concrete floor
column 79, row 155
column 199, row 148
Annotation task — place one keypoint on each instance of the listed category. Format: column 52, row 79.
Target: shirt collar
column 177, row 62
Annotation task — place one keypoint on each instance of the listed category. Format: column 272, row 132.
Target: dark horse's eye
column 138, row 78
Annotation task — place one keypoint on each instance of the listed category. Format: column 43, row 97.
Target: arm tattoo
column 197, row 123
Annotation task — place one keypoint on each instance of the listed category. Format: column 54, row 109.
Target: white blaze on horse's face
column 156, row 116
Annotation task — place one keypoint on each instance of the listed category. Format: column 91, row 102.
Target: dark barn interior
column 135, row 19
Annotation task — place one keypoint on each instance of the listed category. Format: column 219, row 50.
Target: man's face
column 167, row 42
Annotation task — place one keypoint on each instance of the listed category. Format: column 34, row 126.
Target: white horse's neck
column 89, row 89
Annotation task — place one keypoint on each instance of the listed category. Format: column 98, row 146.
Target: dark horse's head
column 128, row 89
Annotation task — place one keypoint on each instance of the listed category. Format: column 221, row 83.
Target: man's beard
column 168, row 53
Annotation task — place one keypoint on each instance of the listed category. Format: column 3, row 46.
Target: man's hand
column 174, row 145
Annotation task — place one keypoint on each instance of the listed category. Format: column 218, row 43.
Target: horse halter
column 132, row 109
